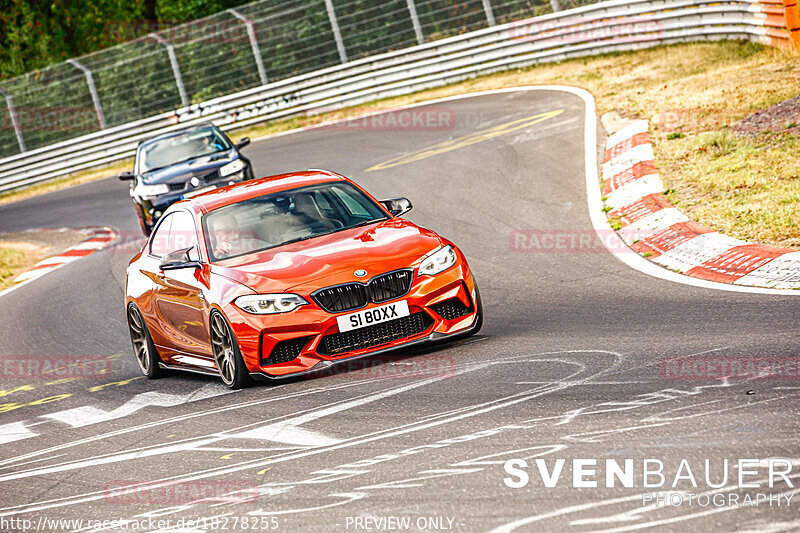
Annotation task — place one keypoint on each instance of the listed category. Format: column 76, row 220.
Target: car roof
column 245, row 190
column 175, row 133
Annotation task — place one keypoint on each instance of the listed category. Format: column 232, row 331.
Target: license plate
column 376, row 315
column 196, row 192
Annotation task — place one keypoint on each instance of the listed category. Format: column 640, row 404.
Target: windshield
column 166, row 152
column 288, row 216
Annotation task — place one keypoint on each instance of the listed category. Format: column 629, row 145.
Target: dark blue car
column 181, row 164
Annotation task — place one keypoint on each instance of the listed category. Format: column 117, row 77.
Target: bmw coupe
column 290, row 274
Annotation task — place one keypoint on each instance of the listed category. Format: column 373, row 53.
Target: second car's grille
column 451, row 309
column 357, row 339
column 285, row 351
column 355, row 295
column 176, row 186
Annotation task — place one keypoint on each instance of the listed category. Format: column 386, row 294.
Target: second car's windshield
column 165, row 152
column 280, row 218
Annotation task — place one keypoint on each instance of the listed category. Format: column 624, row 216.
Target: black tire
column 479, row 307
column 143, row 348
column 227, row 355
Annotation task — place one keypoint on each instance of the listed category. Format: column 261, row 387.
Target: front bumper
column 286, row 345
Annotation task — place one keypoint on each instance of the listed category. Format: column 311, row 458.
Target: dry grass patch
column 16, row 257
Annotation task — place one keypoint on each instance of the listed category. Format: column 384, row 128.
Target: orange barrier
column 776, row 22
column 792, row 16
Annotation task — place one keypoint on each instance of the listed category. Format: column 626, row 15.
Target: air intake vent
column 285, row 351
column 451, row 309
column 358, row 339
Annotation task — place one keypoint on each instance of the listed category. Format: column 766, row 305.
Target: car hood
column 306, row 266
column 199, row 166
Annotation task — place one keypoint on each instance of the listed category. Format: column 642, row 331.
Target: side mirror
column 179, row 259
column 397, row 206
column 244, row 141
column 125, row 176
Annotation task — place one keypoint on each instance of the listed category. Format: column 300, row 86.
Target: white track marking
column 167, row 421
column 89, row 415
column 15, row 431
column 475, row 410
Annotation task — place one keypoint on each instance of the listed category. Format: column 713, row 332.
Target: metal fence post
column 14, row 120
column 251, row 34
column 412, row 10
column 101, row 118
column 487, row 8
column 175, row 67
column 555, row 5
column 337, row 34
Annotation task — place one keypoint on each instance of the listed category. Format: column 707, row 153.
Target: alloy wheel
column 224, row 349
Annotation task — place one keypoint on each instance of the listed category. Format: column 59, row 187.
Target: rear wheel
column 227, row 355
column 143, row 347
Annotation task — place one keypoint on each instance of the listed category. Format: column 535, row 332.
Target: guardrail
column 615, row 25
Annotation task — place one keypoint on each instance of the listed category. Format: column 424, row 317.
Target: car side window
column 182, row 233
column 176, row 232
column 159, row 242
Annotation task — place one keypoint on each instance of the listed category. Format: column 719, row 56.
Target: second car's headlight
column 438, row 261
column 268, row 304
column 151, row 190
column 232, row 167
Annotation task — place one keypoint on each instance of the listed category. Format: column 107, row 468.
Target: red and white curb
column 653, row 227
column 96, row 239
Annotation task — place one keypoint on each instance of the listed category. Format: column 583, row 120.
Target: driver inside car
column 228, row 238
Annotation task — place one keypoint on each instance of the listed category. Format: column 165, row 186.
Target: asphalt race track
column 568, row 365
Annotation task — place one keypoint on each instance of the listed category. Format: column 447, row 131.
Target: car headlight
column 231, row 168
column 269, row 304
column 151, row 190
column 438, row 261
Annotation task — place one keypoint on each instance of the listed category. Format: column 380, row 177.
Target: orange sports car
column 289, row 274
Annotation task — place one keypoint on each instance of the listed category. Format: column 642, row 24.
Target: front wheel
column 143, row 347
column 227, row 355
